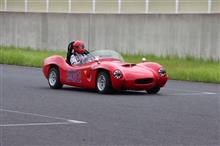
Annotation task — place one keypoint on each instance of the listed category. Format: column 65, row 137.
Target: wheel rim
column 101, row 82
column 52, row 78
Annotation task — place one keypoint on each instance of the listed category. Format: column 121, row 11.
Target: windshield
column 107, row 54
column 101, row 54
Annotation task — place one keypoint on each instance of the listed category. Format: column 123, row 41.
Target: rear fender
column 55, row 61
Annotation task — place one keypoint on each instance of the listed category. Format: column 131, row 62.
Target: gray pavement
column 183, row 113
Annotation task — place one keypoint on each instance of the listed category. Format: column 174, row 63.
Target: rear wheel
column 54, row 78
column 103, row 83
column 154, row 90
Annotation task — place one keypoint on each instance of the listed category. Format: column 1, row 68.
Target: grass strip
column 25, row 56
column 180, row 69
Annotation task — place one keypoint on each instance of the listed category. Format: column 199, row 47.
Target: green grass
column 26, row 56
column 180, row 69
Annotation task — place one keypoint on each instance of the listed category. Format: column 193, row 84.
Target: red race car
column 105, row 71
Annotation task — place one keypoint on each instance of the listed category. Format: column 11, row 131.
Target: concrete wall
column 195, row 35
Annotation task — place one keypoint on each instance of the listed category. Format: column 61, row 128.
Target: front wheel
column 54, row 79
column 103, row 83
column 154, row 90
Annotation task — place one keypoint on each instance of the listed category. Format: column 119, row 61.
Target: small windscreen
column 107, row 54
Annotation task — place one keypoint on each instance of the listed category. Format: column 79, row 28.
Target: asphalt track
column 183, row 113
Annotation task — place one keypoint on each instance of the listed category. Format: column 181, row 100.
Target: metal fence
column 112, row 6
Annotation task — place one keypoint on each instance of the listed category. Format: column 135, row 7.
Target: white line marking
column 210, row 93
column 76, row 122
column 34, row 124
column 39, row 115
column 190, row 91
column 180, row 90
column 198, row 93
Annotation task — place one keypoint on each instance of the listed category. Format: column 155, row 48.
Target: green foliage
column 180, row 69
column 25, row 56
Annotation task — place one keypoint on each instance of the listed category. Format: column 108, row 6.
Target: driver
column 79, row 53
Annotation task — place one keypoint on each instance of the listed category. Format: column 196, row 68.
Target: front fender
column 116, row 83
column 161, row 81
column 152, row 65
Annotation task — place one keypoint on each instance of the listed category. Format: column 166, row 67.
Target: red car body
column 141, row 76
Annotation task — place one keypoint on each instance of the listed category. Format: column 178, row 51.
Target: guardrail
column 112, row 6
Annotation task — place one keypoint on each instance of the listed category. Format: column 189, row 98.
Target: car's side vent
column 144, row 81
column 129, row 65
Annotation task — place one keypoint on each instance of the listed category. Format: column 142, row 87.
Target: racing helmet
column 79, row 47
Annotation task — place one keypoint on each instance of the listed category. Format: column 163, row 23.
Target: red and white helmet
column 79, row 47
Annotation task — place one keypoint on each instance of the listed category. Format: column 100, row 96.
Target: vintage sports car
column 105, row 71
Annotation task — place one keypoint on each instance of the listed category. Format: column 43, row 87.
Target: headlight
column 162, row 72
column 117, row 74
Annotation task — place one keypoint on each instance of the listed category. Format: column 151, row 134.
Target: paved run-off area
column 183, row 113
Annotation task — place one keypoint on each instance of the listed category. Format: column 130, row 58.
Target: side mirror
column 144, row 59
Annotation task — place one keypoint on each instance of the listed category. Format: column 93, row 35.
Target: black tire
column 54, row 78
column 106, row 87
column 154, row 90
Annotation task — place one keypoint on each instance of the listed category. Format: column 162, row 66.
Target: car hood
column 136, row 71
column 133, row 71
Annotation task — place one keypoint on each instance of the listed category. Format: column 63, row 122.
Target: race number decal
column 74, row 76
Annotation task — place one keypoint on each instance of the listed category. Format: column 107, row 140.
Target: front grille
column 143, row 81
